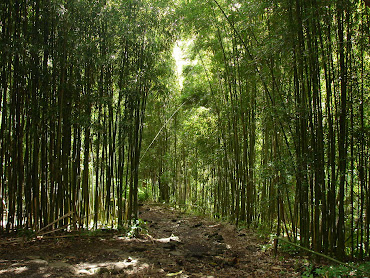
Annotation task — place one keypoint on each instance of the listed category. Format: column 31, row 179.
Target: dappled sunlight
column 14, row 270
column 149, row 238
column 178, row 53
column 129, row 266
column 171, row 245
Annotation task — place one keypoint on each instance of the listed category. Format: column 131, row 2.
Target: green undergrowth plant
column 264, row 232
column 96, row 232
column 288, row 249
column 26, row 234
column 336, row 271
column 136, row 228
column 142, row 195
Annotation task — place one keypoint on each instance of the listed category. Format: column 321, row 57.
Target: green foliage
column 195, row 93
column 136, row 228
column 26, row 233
column 96, row 232
column 288, row 248
column 335, row 271
column 142, row 195
column 264, row 232
column 308, row 272
column 326, row 272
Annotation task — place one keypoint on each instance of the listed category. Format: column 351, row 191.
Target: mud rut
column 178, row 245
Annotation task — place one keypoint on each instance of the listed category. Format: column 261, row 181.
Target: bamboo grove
column 274, row 128
column 267, row 126
column 75, row 76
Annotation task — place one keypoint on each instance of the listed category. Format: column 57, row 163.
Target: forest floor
column 176, row 245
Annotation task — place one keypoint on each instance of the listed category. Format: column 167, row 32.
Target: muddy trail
column 176, row 245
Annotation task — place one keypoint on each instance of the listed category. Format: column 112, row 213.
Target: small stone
column 38, row 261
column 118, row 267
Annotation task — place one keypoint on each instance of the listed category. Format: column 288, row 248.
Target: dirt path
column 178, row 245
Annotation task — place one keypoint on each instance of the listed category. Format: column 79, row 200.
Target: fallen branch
column 53, row 231
column 79, row 235
column 52, row 223
column 322, row 255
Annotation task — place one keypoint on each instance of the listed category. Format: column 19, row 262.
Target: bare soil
column 177, row 245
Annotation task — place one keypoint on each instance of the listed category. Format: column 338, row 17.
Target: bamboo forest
column 250, row 113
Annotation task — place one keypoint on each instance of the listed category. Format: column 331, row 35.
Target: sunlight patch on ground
column 129, row 265
column 14, row 270
column 214, row 226
column 169, row 239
